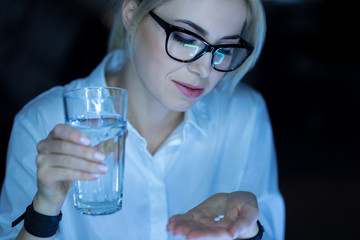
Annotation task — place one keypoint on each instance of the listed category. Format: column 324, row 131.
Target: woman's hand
column 222, row 216
column 65, row 155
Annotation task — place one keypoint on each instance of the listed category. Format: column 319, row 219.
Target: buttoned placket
column 157, row 168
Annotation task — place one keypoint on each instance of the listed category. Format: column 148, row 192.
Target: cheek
column 149, row 52
column 144, row 51
column 218, row 76
column 214, row 79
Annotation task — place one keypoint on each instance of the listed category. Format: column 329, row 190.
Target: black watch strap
column 260, row 233
column 38, row 224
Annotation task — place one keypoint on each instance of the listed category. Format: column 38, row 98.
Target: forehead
column 218, row 17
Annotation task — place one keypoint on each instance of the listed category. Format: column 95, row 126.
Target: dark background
column 308, row 74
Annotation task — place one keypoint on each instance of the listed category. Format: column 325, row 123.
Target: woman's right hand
column 65, row 155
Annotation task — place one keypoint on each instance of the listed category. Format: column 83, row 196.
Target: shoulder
column 246, row 95
column 47, row 102
column 36, row 119
column 46, row 110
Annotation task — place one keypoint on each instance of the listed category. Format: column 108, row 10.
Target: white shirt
column 224, row 144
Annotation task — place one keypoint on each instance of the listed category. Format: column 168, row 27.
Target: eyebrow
column 202, row 31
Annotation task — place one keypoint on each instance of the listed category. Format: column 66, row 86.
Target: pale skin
column 156, row 107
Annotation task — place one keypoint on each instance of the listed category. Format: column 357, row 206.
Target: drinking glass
column 100, row 113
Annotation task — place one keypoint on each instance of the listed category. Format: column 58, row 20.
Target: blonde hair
column 253, row 32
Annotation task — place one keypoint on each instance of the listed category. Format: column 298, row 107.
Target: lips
column 189, row 90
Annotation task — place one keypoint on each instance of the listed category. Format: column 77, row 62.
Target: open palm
column 222, row 216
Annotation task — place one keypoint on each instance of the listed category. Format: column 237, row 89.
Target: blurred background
column 308, row 73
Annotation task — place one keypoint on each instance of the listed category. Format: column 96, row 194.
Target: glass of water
column 100, row 113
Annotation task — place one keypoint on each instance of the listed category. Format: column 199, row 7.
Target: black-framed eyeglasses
column 185, row 46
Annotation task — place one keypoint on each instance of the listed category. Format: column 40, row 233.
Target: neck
column 154, row 121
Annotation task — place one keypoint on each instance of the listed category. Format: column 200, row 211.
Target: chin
column 181, row 107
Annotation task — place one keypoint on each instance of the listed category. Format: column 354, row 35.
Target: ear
column 128, row 10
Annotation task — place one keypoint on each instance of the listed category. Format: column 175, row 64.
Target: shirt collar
column 198, row 117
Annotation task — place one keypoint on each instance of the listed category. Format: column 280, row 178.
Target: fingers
column 177, row 221
column 58, row 146
column 208, row 228
column 64, row 139
column 66, row 154
column 66, row 132
column 56, row 167
column 51, row 175
column 184, row 219
column 208, row 234
column 200, row 228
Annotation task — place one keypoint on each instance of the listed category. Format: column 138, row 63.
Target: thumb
column 244, row 229
column 245, row 213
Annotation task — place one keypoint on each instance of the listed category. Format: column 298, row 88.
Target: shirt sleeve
column 31, row 125
column 19, row 185
column 261, row 174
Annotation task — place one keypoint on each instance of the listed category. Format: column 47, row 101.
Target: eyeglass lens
column 185, row 47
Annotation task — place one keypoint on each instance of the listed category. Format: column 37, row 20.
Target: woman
column 199, row 145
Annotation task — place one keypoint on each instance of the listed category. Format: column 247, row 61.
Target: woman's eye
column 226, row 52
column 183, row 38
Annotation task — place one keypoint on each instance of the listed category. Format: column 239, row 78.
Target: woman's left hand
column 222, row 216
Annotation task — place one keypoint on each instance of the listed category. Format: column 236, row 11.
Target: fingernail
column 102, row 168
column 99, row 156
column 85, row 140
column 94, row 175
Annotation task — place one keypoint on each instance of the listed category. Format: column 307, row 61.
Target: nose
column 202, row 66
